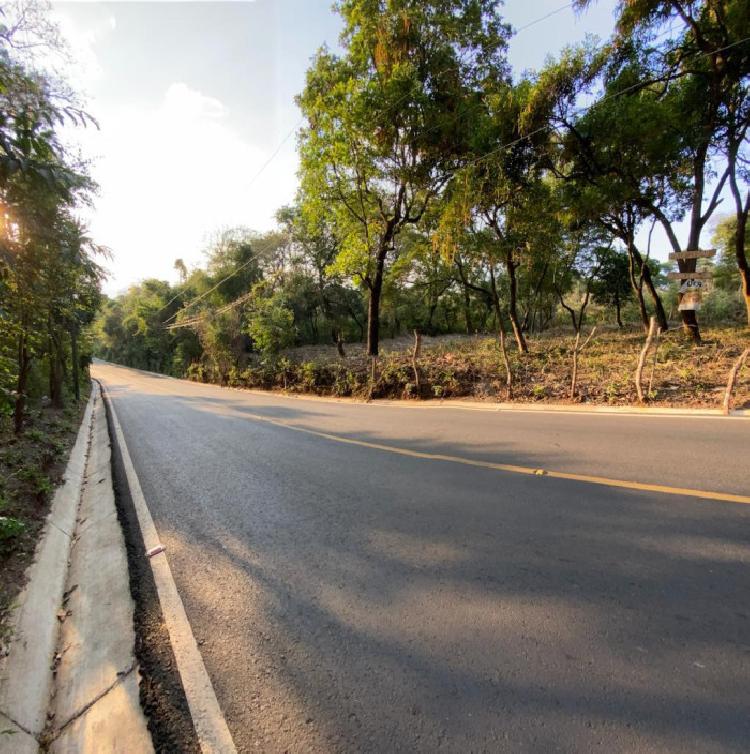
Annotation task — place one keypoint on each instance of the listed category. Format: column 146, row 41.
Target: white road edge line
column 210, row 726
column 456, row 404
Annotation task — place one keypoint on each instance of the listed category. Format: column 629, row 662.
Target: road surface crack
column 18, row 725
column 53, row 733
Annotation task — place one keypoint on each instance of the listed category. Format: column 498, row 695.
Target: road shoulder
column 70, row 681
column 96, row 704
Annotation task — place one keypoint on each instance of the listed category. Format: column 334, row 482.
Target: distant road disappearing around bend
column 354, row 592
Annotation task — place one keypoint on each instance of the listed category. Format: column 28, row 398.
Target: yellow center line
column 726, row 497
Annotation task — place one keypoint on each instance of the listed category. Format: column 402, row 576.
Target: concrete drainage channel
column 70, row 680
column 78, row 677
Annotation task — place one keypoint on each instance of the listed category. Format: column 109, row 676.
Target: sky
column 195, row 103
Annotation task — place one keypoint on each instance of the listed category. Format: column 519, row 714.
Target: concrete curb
column 208, row 720
column 26, row 673
column 473, row 405
column 96, row 706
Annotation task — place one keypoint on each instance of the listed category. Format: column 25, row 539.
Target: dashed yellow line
column 725, row 497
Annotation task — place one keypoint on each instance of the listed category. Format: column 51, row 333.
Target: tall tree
column 702, row 71
column 386, row 120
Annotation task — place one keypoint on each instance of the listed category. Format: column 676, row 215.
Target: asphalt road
column 352, row 598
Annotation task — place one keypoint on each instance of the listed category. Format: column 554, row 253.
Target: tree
column 181, row 268
column 271, row 322
column 612, row 283
column 726, row 275
column 386, row 120
column 617, row 159
column 701, row 73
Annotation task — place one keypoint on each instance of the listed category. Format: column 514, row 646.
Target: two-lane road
column 375, row 578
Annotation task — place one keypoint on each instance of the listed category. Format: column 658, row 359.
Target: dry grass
column 471, row 367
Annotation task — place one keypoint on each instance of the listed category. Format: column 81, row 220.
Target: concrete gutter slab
column 107, row 725
column 96, row 640
column 96, row 705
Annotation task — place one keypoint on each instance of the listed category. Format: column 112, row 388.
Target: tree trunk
column 501, row 333
column 467, row 311
column 645, row 273
column 24, row 367
column 76, row 362
column 745, row 276
column 512, row 304
column 373, row 312
column 55, row 373
column 689, row 318
column 742, row 210
column 638, row 290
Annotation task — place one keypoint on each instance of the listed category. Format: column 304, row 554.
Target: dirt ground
column 31, row 466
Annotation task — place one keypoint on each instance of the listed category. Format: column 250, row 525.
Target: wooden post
column 340, row 345
column 733, row 374
column 506, row 361
column 642, row 359
column 576, row 350
column 415, row 355
column 653, row 363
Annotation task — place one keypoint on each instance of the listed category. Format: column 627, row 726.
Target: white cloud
column 171, row 174
column 81, row 66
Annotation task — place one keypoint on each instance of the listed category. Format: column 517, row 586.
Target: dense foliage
column 438, row 192
column 49, row 279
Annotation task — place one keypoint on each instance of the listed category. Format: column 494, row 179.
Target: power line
column 275, row 152
column 581, row 110
column 392, row 107
column 203, row 295
column 220, row 310
column 475, row 161
column 543, row 18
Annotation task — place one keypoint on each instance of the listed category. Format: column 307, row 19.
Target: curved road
column 354, row 592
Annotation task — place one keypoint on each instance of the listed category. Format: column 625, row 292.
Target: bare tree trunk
column 645, row 274
column 339, row 345
column 415, row 355
column 642, row 359
column 506, row 360
column 577, row 348
column 733, row 373
column 373, row 319
column 637, row 286
column 742, row 209
column 501, row 333
column 513, row 303
column 574, row 377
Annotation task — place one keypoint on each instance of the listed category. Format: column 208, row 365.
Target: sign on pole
column 689, row 275
column 692, row 283
column 690, row 301
column 678, row 256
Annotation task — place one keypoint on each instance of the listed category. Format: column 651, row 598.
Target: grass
column 682, row 375
column 31, row 466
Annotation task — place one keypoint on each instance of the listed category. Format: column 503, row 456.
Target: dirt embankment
column 676, row 373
